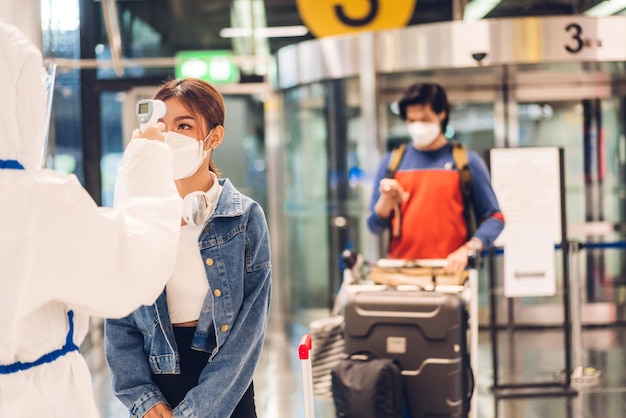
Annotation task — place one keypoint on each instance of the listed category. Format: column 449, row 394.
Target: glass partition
column 305, row 197
column 324, row 198
column 61, row 39
column 112, row 145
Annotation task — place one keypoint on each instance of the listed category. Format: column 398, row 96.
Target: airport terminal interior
column 310, row 88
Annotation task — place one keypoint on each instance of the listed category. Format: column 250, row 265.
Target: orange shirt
column 432, row 217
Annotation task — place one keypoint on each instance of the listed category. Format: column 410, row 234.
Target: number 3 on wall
column 336, row 17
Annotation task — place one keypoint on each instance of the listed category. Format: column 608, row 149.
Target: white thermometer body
column 149, row 112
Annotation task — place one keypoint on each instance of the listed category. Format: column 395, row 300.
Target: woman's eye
column 184, row 127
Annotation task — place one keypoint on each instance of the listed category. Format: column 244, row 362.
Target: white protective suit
column 63, row 258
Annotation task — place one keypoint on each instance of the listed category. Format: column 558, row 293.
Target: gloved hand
column 155, row 132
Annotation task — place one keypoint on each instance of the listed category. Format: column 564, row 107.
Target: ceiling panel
column 163, row 27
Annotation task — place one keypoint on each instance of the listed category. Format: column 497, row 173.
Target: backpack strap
column 392, row 167
column 459, row 154
column 394, row 160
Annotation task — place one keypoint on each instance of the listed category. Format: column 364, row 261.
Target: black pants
column 175, row 386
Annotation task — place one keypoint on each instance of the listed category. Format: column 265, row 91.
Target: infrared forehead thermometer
column 149, row 112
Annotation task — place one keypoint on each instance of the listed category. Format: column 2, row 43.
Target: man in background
column 421, row 200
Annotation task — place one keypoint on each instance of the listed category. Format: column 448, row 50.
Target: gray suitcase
column 426, row 332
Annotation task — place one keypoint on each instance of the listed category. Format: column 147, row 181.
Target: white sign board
column 529, row 262
column 527, row 184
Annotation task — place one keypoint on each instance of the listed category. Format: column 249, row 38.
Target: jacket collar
column 229, row 203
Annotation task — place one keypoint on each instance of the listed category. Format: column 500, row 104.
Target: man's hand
column 457, row 260
column 391, row 195
column 159, row 410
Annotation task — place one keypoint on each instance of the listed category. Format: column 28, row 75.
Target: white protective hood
column 23, row 115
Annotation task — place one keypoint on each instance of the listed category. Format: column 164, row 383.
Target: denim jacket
column 234, row 245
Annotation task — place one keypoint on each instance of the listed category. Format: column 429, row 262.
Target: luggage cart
column 402, row 277
column 304, row 352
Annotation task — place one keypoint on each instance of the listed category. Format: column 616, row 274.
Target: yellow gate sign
column 336, row 17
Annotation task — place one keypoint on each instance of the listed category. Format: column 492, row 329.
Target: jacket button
column 209, row 261
column 224, row 328
column 217, row 293
column 206, row 230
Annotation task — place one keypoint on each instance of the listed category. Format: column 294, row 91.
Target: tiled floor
column 524, row 356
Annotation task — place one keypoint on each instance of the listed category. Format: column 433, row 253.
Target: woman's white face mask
column 189, row 153
column 423, row 133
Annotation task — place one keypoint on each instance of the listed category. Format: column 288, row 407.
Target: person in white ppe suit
column 63, row 258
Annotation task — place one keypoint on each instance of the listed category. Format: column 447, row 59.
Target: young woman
column 193, row 352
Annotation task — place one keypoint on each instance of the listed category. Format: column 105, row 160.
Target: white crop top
column 188, row 286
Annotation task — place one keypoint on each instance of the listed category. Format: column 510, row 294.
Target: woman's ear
column 216, row 137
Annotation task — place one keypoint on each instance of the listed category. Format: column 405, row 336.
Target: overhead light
column 606, row 8
column 478, row 9
column 271, row 32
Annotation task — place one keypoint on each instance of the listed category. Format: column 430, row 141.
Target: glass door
column 580, row 108
column 591, row 132
column 323, row 200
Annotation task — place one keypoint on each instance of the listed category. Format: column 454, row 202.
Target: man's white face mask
column 423, row 133
column 189, row 153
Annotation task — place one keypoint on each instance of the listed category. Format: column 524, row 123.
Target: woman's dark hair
column 426, row 94
column 201, row 99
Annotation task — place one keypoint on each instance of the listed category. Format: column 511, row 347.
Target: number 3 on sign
column 336, row 17
column 577, row 43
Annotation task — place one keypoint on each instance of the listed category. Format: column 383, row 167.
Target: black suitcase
column 427, row 333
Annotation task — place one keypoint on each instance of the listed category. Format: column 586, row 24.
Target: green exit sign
column 216, row 67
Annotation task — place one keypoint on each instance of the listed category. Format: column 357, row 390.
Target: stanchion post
column 580, row 374
column 474, row 261
column 493, row 313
